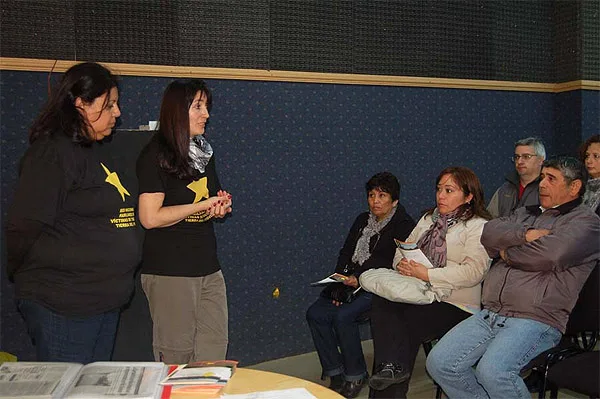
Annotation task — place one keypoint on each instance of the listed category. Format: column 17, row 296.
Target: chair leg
column 438, row 392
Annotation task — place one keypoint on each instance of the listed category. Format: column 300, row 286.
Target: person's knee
column 319, row 313
column 432, row 364
column 342, row 319
column 490, row 373
column 437, row 363
column 311, row 314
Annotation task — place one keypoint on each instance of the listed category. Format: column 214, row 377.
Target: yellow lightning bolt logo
column 199, row 188
column 113, row 178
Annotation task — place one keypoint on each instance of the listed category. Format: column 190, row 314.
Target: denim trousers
column 500, row 346
column 59, row 338
column 334, row 327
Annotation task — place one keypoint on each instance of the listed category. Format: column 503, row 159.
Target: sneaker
column 336, row 382
column 387, row 374
column 351, row 389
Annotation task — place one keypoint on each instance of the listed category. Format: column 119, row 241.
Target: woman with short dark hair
column 180, row 194
column 370, row 244
column 70, row 252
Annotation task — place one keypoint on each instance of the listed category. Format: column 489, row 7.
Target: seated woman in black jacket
column 370, row 244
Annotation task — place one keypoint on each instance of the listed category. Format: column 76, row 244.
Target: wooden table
column 248, row 380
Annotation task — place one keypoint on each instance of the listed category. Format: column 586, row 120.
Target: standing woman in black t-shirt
column 71, row 235
column 180, row 194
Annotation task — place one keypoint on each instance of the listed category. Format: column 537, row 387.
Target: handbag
column 393, row 286
column 339, row 292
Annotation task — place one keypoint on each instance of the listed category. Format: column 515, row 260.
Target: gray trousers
column 189, row 317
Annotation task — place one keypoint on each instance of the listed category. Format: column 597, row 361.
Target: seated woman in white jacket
column 449, row 236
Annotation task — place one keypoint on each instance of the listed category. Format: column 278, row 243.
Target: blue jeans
column 332, row 327
column 59, row 338
column 502, row 345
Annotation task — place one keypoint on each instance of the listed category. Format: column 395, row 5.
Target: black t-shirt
column 187, row 248
column 87, row 246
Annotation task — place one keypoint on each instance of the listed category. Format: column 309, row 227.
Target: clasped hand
column 411, row 268
column 220, row 204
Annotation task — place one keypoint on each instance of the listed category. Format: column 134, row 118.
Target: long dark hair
column 87, row 81
column 174, row 130
column 468, row 182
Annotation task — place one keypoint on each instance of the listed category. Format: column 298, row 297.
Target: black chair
column 577, row 371
column 581, row 334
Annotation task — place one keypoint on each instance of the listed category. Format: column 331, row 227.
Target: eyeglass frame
column 525, row 157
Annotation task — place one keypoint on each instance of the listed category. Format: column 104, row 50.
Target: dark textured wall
column 590, row 40
column 516, row 40
column 295, row 157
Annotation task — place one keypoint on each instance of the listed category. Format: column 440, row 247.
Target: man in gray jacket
column 521, row 185
column 544, row 255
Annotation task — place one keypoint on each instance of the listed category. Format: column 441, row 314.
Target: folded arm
column 568, row 244
column 502, row 233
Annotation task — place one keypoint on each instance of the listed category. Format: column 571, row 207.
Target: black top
column 187, row 248
column 71, row 235
column 382, row 245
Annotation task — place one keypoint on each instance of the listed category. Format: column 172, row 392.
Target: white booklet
column 411, row 252
column 46, row 380
column 334, row 278
column 202, row 373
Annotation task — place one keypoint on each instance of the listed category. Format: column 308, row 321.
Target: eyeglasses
column 526, row 157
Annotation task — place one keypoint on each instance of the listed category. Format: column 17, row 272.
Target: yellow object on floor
column 7, row 357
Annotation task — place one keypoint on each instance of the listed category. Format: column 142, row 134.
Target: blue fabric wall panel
column 590, row 110
column 295, row 157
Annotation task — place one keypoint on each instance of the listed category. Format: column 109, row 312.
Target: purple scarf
column 433, row 241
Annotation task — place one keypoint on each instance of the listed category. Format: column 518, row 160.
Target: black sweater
column 72, row 241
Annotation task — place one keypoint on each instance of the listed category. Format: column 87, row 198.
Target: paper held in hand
column 334, row 278
column 411, row 252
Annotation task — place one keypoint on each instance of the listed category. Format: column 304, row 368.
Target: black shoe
column 336, row 382
column 387, row 374
column 351, row 389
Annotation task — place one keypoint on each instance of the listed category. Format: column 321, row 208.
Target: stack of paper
column 207, row 377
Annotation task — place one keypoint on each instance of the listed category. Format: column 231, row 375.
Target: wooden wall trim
column 43, row 65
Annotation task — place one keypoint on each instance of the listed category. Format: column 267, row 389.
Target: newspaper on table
column 41, row 380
